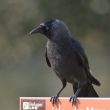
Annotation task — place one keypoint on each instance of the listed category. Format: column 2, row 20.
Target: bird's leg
column 74, row 98
column 54, row 98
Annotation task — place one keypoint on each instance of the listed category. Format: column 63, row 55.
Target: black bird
column 65, row 55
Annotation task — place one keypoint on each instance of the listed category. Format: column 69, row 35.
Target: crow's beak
column 38, row 29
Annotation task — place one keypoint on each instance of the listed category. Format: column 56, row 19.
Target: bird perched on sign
column 65, row 55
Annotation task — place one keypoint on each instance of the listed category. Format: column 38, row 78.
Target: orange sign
column 43, row 103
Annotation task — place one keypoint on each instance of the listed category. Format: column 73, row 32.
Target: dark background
column 23, row 70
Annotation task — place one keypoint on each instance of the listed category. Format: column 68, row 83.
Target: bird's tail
column 93, row 80
column 87, row 90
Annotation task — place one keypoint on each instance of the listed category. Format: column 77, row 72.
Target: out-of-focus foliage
column 23, row 71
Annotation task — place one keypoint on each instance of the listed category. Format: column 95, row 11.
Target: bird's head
column 50, row 28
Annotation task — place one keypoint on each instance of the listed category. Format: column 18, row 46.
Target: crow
column 66, row 56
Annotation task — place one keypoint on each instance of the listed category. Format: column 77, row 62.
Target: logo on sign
column 32, row 104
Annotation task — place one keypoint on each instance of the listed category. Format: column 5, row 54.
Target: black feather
column 47, row 60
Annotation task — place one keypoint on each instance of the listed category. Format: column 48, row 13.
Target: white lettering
column 89, row 108
column 31, row 105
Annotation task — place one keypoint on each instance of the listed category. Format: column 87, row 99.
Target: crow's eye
column 44, row 27
column 47, row 28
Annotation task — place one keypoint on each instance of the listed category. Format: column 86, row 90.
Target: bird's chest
column 64, row 62
column 60, row 57
column 55, row 53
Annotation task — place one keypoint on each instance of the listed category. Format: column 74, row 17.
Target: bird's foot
column 54, row 99
column 73, row 99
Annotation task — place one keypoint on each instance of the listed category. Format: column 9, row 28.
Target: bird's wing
column 84, row 62
column 47, row 60
column 82, row 59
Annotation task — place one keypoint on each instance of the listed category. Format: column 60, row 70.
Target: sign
column 43, row 103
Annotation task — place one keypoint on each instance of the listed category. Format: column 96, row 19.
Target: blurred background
column 23, row 69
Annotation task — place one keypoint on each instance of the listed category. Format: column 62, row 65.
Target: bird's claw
column 54, row 99
column 73, row 99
